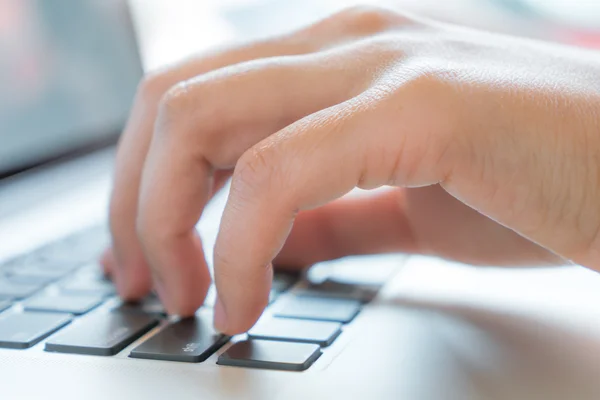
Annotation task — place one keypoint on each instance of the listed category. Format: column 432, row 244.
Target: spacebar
column 101, row 334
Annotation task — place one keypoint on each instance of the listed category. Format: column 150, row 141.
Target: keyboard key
column 89, row 286
column 15, row 290
column 93, row 271
column 34, row 274
column 188, row 340
column 79, row 248
column 271, row 355
column 318, row 308
column 211, row 297
column 23, row 330
column 366, row 270
column 294, row 330
column 149, row 305
column 5, row 304
column 101, row 334
column 333, row 289
column 72, row 304
column 39, row 260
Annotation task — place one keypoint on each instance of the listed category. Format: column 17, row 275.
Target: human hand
column 491, row 143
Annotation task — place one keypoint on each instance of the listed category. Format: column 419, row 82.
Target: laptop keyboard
column 58, row 295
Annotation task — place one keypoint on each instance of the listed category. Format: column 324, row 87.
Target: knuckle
column 254, row 170
column 173, row 104
column 152, row 87
column 369, row 19
column 430, row 151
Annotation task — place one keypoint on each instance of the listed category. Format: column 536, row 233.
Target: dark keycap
column 72, row 304
column 23, row 330
column 295, row 330
column 271, row 355
column 211, row 297
column 15, row 290
column 88, row 285
column 101, row 334
column 318, row 308
column 188, row 340
column 5, row 304
column 149, row 305
column 332, row 289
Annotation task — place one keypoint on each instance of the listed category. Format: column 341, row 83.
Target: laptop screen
column 68, row 74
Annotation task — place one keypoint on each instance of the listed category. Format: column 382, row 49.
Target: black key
column 333, row 289
column 211, row 297
column 149, row 305
column 294, row 330
column 101, row 334
column 188, row 340
column 15, row 290
column 271, row 355
column 72, row 304
column 5, row 304
column 318, row 308
column 23, row 330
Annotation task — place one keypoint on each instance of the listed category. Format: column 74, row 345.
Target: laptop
column 376, row 327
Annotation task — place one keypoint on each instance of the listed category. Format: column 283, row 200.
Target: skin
column 487, row 145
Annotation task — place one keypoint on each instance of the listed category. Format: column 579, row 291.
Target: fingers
column 107, row 262
column 425, row 220
column 304, row 166
column 131, row 271
column 204, row 126
column 271, row 183
column 366, row 224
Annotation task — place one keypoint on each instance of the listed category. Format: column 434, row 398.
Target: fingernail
column 220, row 320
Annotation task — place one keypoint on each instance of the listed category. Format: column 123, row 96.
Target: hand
column 491, row 144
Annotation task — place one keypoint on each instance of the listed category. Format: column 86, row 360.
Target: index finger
column 204, row 126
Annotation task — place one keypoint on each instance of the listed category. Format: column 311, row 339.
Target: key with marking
column 318, row 308
column 23, row 330
column 72, row 304
column 15, row 290
column 103, row 334
column 268, row 354
column 188, row 340
column 322, row 333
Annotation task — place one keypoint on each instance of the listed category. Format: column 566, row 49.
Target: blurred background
column 69, row 68
column 177, row 28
